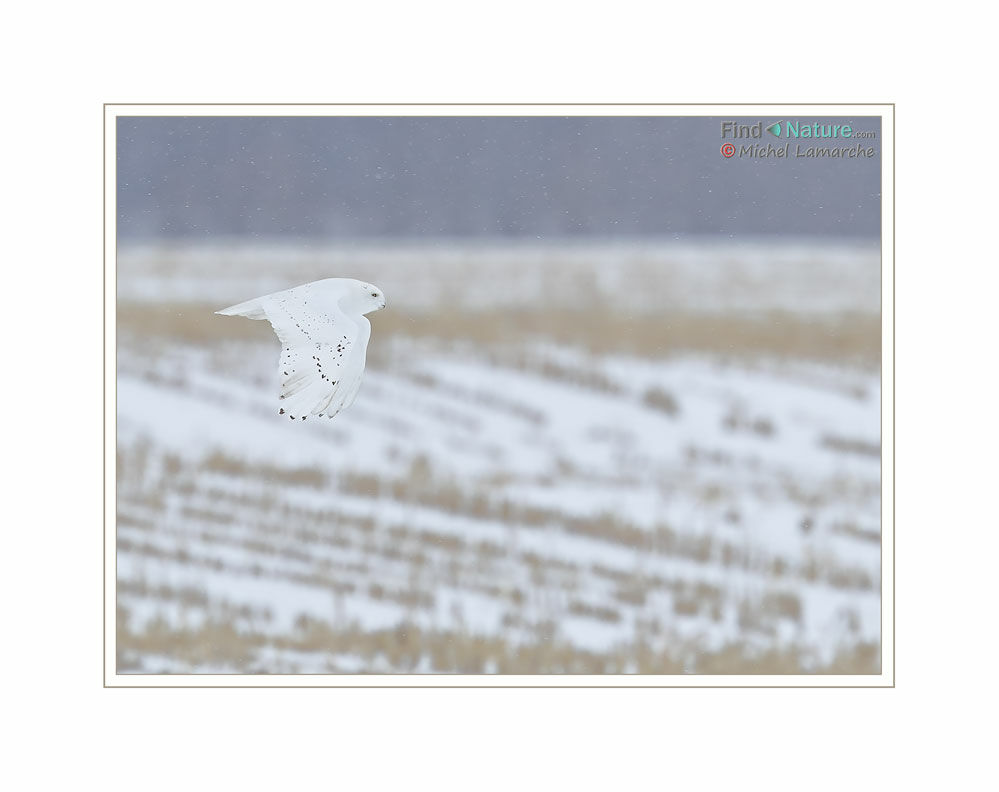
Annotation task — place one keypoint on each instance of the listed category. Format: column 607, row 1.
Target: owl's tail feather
column 251, row 309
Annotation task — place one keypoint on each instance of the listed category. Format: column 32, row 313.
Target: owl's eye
column 374, row 294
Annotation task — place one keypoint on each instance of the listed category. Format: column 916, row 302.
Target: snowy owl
column 324, row 337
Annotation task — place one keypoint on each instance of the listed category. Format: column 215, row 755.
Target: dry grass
column 220, row 462
column 738, row 421
column 282, row 531
column 855, row 531
column 664, row 401
column 843, row 338
column 408, row 647
column 421, row 488
column 851, row 446
column 591, row 611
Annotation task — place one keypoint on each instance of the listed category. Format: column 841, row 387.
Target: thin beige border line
column 615, row 686
column 500, row 685
column 893, row 551
column 104, row 393
column 475, row 686
column 497, row 104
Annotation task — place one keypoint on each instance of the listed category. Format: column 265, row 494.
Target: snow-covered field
column 583, row 459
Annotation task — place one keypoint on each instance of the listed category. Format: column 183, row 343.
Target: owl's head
column 359, row 297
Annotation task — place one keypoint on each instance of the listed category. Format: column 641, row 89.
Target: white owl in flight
column 324, row 338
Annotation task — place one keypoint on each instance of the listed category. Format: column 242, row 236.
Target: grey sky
column 542, row 177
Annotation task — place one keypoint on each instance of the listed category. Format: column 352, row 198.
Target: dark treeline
column 461, row 177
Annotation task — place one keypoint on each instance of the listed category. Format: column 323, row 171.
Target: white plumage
column 324, row 340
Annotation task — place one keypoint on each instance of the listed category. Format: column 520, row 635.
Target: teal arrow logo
column 774, row 129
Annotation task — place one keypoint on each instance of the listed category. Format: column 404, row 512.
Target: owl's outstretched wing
column 322, row 350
